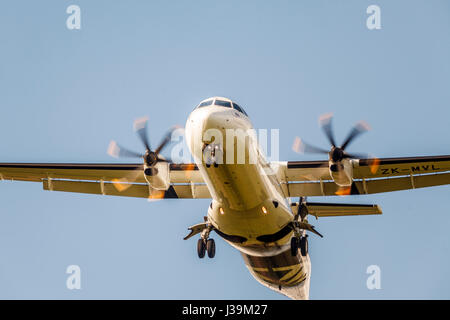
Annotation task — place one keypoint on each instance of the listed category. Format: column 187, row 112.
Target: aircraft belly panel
column 282, row 272
column 238, row 186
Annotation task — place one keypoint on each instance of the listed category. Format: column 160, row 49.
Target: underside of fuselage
column 287, row 274
column 249, row 209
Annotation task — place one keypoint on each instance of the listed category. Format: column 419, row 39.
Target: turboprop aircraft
column 251, row 205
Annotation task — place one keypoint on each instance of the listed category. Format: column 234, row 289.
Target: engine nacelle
column 342, row 172
column 157, row 175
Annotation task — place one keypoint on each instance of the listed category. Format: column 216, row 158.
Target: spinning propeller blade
column 337, row 153
column 150, row 157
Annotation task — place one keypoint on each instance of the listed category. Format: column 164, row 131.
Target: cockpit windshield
column 206, row 103
column 222, row 103
column 238, row 108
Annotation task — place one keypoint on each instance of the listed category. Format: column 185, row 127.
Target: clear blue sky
column 64, row 94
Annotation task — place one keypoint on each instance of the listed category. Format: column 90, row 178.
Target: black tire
column 211, row 248
column 294, row 246
column 201, row 248
column 304, row 246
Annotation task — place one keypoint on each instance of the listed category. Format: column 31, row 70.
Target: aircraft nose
column 202, row 125
column 205, row 119
column 215, row 120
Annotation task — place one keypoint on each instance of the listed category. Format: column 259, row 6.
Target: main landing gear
column 299, row 243
column 209, row 246
column 300, row 225
column 204, row 244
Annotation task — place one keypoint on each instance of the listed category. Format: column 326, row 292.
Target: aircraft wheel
column 211, row 248
column 201, row 248
column 294, row 246
column 304, row 246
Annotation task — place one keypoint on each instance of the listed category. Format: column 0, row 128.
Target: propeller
column 337, row 153
column 151, row 157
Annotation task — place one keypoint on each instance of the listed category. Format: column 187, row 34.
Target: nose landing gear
column 212, row 154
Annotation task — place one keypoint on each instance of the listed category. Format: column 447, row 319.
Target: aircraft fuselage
column 249, row 209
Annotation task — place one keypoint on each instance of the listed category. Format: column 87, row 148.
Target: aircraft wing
column 107, row 179
column 299, row 178
column 311, row 178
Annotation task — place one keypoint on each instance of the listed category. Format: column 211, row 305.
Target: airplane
column 251, row 200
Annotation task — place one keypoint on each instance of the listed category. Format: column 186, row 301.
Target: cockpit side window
column 205, row 103
column 223, row 103
column 238, row 108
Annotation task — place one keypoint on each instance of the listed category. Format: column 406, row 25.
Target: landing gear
column 204, row 244
column 304, row 245
column 294, row 246
column 299, row 226
column 208, row 246
column 212, row 154
column 301, row 243
column 201, row 248
column 208, row 165
column 211, row 248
